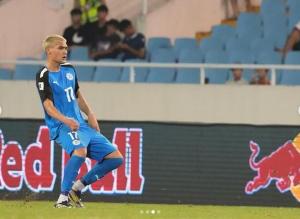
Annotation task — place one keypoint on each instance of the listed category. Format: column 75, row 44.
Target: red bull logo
column 281, row 166
column 34, row 166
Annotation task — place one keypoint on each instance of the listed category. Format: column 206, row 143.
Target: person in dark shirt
column 106, row 46
column 98, row 28
column 113, row 27
column 133, row 45
column 75, row 34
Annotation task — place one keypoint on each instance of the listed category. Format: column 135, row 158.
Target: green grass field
column 43, row 210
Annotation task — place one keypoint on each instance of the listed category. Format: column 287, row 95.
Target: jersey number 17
column 70, row 94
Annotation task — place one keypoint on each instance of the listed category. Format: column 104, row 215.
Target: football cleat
column 64, row 204
column 75, row 198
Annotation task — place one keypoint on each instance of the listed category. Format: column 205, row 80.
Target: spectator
column 237, row 77
column 261, row 77
column 75, row 34
column 89, row 9
column 235, row 7
column 98, row 28
column 133, row 45
column 106, row 46
column 293, row 41
column 113, row 27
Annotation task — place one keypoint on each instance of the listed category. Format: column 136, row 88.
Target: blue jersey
column 61, row 87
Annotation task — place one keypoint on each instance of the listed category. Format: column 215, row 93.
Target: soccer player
column 63, row 102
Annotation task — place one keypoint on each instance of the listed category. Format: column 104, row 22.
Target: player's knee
column 118, row 161
column 81, row 152
column 121, row 160
column 115, row 154
column 119, row 155
column 117, row 158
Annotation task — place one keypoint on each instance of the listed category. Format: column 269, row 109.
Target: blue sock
column 100, row 169
column 70, row 173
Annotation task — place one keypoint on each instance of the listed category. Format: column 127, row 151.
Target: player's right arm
column 54, row 113
column 45, row 92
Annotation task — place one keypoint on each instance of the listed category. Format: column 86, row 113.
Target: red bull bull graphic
column 281, row 166
column 34, row 166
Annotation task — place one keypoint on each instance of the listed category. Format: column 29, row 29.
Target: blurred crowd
column 105, row 38
column 118, row 39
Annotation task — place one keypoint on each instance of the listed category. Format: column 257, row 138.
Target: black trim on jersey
column 76, row 85
column 43, row 86
column 67, row 65
column 76, row 80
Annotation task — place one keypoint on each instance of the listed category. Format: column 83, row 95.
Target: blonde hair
column 51, row 39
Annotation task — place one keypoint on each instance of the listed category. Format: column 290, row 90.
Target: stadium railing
column 202, row 66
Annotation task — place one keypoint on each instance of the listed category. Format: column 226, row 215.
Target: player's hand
column 72, row 123
column 93, row 121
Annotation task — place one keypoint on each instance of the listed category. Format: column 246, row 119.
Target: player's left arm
column 84, row 107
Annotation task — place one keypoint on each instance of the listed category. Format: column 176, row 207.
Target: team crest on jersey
column 76, row 142
column 69, row 76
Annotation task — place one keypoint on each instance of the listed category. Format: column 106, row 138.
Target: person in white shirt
column 237, row 77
